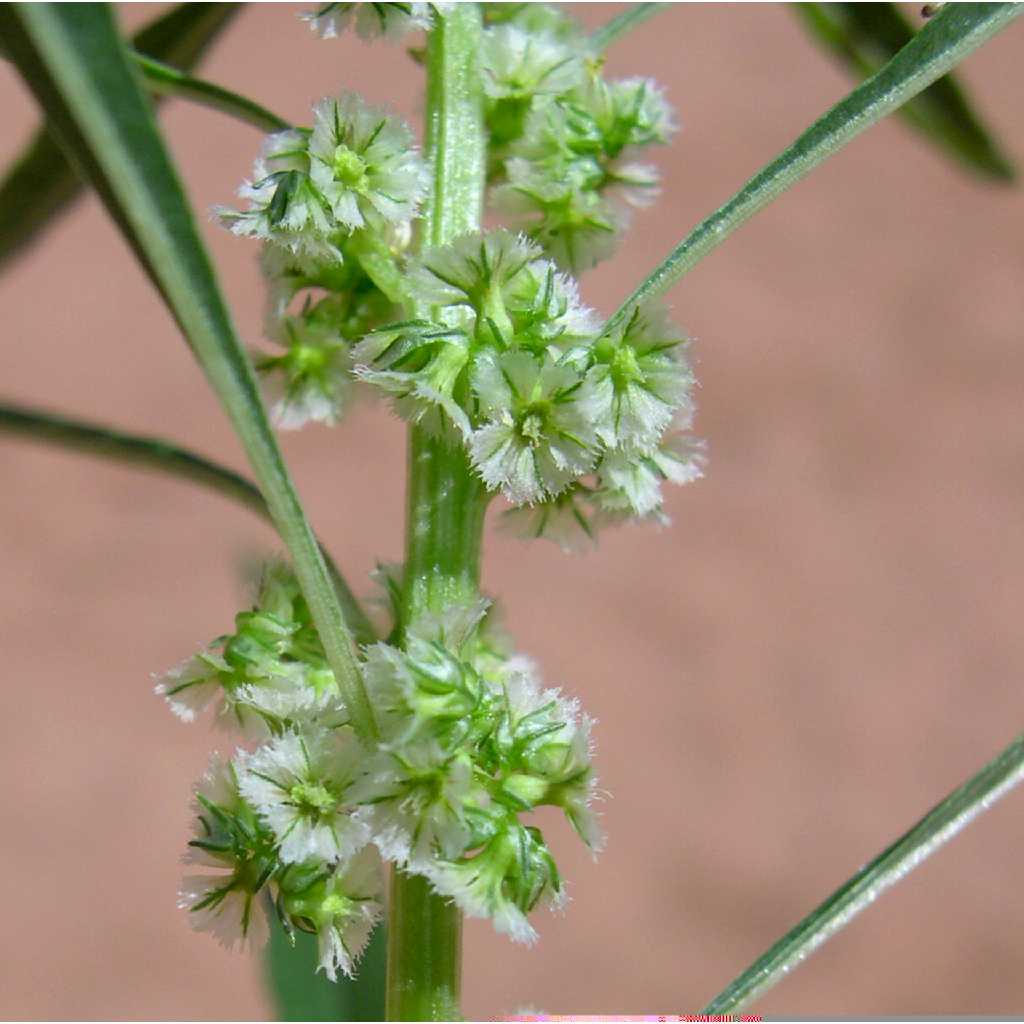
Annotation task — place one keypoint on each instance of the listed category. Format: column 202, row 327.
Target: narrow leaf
column 893, row 864
column 73, row 60
column 634, row 16
column 160, row 455
column 41, row 183
column 956, row 31
column 864, row 37
column 163, row 80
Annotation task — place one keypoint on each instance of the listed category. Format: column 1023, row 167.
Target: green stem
column 935, row 829
column 167, row 457
column 446, row 501
column 622, row 23
column 163, row 80
column 956, row 31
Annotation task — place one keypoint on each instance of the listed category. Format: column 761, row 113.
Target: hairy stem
column 935, row 829
column 446, row 501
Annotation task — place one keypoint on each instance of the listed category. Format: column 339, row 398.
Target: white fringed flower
column 340, row 906
column 637, row 382
column 419, row 365
column 298, row 784
column 284, row 207
column 419, row 801
column 225, row 900
column 372, row 20
column 547, row 750
column 364, row 163
column 563, row 520
column 519, row 65
column 534, row 442
column 193, row 685
column 312, row 376
column 630, row 485
column 511, row 875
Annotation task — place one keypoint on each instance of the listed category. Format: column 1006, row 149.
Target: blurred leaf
column 300, row 993
column 865, row 36
column 157, row 453
column 956, row 31
column 73, row 60
column 41, row 183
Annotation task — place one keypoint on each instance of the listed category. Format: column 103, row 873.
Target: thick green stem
column 446, row 501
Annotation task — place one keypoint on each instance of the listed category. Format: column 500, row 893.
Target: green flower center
column 532, row 425
column 349, row 167
column 313, row 798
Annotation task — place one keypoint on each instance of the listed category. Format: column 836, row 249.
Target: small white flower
column 372, row 20
column 533, row 442
column 518, row 65
column 364, row 163
column 226, row 901
column 312, row 377
column 562, row 519
column 511, row 875
column 630, row 485
column 235, row 917
column 638, row 381
column 419, row 365
column 575, row 225
column 284, row 206
column 193, row 685
column 341, row 907
column 298, row 784
column 418, row 802
column 476, row 270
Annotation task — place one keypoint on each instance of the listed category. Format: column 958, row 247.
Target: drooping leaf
column 956, row 31
column 41, row 183
column 163, row 456
column 301, row 994
column 73, row 60
column 864, row 36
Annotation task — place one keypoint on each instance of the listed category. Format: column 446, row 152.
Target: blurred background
column 825, row 642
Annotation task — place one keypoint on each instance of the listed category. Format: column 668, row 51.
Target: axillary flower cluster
column 485, row 344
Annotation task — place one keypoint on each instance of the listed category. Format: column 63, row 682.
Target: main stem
column 446, row 502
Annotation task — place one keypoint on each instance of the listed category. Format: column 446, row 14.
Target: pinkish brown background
column 825, row 642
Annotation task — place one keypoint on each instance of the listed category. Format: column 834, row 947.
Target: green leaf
column 73, row 60
column 301, row 994
column 951, row 35
column 161, row 455
column 163, row 80
column 935, row 829
column 629, row 19
column 865, row 36
column 42, row 183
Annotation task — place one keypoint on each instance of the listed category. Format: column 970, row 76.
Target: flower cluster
column 574, row 426
column 564, row 139
column 469, row 742
column 333, row 206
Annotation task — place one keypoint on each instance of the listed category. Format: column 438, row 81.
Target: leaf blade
column 75, row 63
column 946, row 820
column 163, row 456
column 956, row 31
column 864, row 37
column 41, row 183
